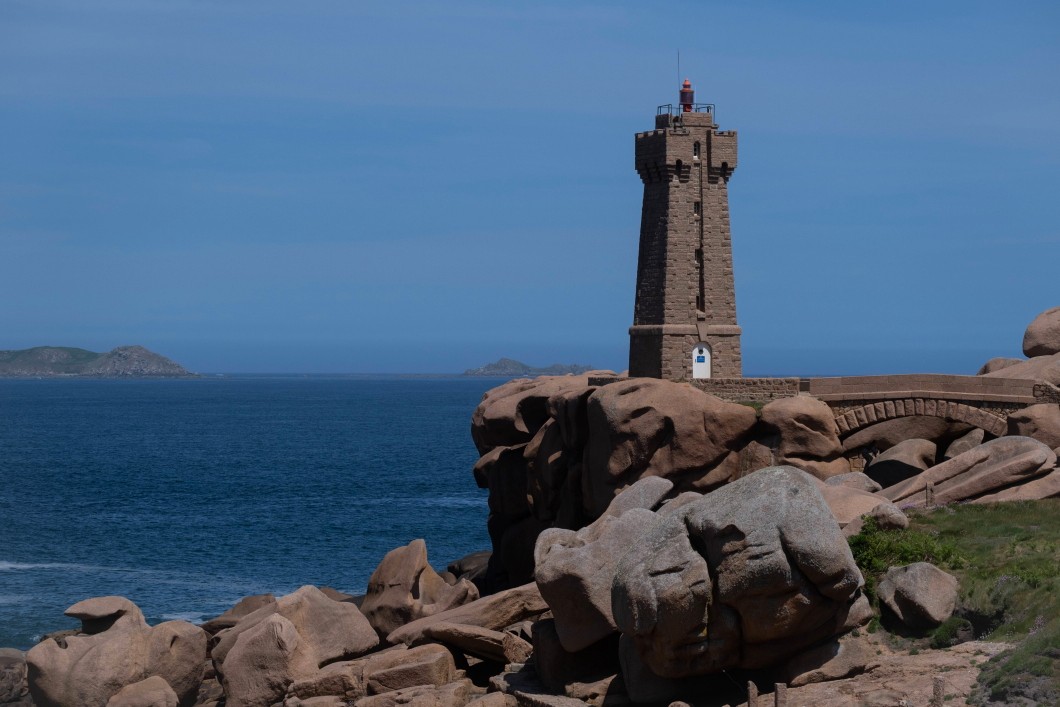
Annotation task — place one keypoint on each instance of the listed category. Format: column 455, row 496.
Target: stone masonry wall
column 758, row 390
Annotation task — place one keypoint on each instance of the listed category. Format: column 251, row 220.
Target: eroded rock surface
column 116, row 648
column 404, row 587
column 744, row 577
column 920, row 595
column 1042, row 337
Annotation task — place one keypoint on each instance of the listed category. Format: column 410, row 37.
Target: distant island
column 511, row 367
column 62, row 361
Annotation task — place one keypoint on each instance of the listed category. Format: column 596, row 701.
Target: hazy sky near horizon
column 427, row 186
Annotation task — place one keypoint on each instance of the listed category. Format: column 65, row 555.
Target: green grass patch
column 1007, row 559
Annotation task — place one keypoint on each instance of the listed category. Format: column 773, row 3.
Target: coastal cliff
column 62, row 361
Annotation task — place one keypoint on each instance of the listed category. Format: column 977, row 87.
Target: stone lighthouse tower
column 684, row 320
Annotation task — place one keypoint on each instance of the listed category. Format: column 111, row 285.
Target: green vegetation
column 1007, row 559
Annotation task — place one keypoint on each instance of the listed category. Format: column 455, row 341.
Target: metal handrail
column 669, row 109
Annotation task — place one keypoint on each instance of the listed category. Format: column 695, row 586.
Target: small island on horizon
column 511, row 367
column 65, row 361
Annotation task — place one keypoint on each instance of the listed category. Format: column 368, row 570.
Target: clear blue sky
column 427, row 186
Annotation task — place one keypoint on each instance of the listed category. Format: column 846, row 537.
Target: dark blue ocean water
column 185, row 495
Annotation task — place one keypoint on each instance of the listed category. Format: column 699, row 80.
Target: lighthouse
column 684, row 316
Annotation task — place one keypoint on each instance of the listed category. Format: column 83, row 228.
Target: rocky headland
column 510, row 368
column 62, row 361
column 654, row 544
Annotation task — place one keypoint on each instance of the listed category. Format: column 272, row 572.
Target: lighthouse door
column 701, row 361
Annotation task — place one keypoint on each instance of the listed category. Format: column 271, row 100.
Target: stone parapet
column 934, row 386
column 753, row 390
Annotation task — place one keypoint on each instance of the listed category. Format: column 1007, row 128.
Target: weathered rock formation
column 405, row 587
column 745, row 577
column 1042, row 337
column 115, row 648
column 919, row 595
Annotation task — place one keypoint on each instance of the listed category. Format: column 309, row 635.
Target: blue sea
column 186, row 495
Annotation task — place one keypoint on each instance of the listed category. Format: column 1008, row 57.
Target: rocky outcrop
column 647, row 427
column 985, row 469
column 405, row 587
column 808, row 438
column 122, row 362
column 1041, row 422
column 152, row 692
column 13, row 688
column 495, row 612
column 1040, row 368
column 919, row 595
column 286, row 641
column 902, row 461
column 996, row 364
column 884, row 435
column 575, row 569
column 1042, row 337
column 745, row 577
column 116, row 648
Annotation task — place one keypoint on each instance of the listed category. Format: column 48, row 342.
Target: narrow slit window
column 696, row 208
column 695, row 150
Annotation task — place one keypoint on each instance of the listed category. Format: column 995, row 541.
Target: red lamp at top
column 687, row 96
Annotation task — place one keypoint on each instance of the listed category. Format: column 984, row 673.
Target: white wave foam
column 6, row 566
column 194, row 617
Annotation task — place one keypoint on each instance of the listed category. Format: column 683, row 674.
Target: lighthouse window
column 695, row 150
column 696, row 208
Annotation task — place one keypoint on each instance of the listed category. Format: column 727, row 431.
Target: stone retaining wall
column 755, row 390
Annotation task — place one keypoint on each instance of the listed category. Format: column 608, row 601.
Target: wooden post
column 780, row 695
column 752, row 694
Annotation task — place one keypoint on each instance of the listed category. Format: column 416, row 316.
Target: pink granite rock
column 404, row 587
column 1042, row 337
column 648, row 427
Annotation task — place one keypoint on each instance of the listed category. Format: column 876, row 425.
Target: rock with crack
column 745, row 577
column 404, row 587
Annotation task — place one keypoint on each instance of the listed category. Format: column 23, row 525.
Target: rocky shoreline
column 652, row 544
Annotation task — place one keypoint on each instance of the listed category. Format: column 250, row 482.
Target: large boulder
column 12, row 676
column 903, row 460
column 1042, row 422
column 848, row 504
column 287, row 641
column 512, row 413
column 496, row 612
column 430, row 664
column 575, row 569
column 1040, row 368
column 920, row 595
column 982, row 470
column 116, row 648
column 404, row 587
column 808, row 438
column 231, row 617
column 1042, row 337
column 151, row 692
column 649, row 427
column 1047, row 486
column 744, row 577
column 268, row 657
column 997, row 363
column 884, row 435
